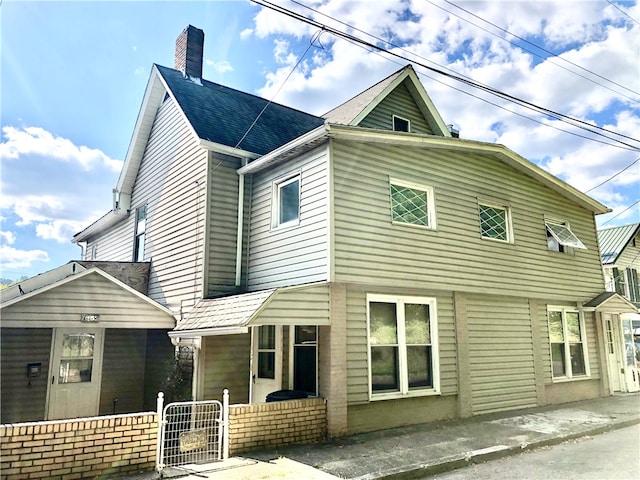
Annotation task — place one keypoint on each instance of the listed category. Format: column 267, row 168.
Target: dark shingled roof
column 222, row 115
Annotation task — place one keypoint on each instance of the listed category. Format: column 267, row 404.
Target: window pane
column 400, row 124
column 382, row 321
column 493, row 222
column 419, row 367
column 564, row 235
column 304, row 369
column 289, row 201
column 557, row 359
column 75, row 371
column 266, row 365
column 555, row 327
column 409, row 205
column 384, row 369
column 573, row 327
column 577, row 359
column 78, row 345
column 305, row 334
column 267, row 337
column 416, row 318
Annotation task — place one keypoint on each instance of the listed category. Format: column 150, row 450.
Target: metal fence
column 192, row 433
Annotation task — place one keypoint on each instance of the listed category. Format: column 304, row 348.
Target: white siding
column 369, row 248
column 296, row 255
column 116, row 244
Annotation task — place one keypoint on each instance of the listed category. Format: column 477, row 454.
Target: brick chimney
column 189, row 52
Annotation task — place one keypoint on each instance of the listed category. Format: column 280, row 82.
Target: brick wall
column 268, row 425
column 79, row 448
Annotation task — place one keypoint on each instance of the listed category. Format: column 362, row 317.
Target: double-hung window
column 403, row 346
column 560, row 238
column 286, row 202
column 412, row 204
column 495, row 222
column 141, row 226
column 568, row 343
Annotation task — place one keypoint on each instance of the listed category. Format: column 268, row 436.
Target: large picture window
column 412, row 204
column 286, row 202
column 568, row 343
column 403, row 347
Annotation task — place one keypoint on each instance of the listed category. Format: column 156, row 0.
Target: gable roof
column 356, row 109
column 616, row 302
column 614, row 240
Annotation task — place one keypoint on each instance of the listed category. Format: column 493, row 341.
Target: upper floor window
column 403, row 346
column 560, row 238
column 141, row 226
column 413, row 204
column 401, row 124
column 495, row 222
column 286, row 201
column 568, row 343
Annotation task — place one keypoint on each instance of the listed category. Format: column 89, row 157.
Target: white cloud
column 16, row 259
column 37, row 141
column 246, row 33
column 59, row 230
column 7, row 238
column 220, row 67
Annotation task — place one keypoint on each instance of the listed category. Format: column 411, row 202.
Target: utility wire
column 593, row 129
column 614, row 176
column 552, row 54
column 622, row 11
column 633, row 204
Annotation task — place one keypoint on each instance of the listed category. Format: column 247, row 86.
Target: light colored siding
column 500, row 354
column 296, row 255
column 306, row 306
column 23, row 400
column 369, row 248
column 400, row 103
column 115, row 244
column 123, row 371
column 357, row 355
column 222, row 224
column 630, row 256
column 63, row 306
column 174, row 241
column 226, row 365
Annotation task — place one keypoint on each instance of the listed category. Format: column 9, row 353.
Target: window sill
column 376, row 397
column 285, row 226
column 413, row 225
column 497, row 240
column 569, row 380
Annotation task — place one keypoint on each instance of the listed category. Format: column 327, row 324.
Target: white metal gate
column 192, row 433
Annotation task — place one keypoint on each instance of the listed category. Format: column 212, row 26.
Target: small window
column 401, row 124
column 286, row 202
column 568, row 343
column 412, row 204
column 560, row 238
column 495, row 222
column 141, row 226
column 403, row 346
column 305, row 359
column 632, row 282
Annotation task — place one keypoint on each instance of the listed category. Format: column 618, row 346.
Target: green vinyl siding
column 401, row 103
column 226, row 365
column 369, row 248
column 307, row 306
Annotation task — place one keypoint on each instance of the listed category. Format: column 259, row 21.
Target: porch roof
column 611, row 301
column 299, row 305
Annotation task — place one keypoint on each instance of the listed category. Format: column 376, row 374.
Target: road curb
column 455, row 462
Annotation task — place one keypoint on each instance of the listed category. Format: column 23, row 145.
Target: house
column 81, row 340
column 620, row 255
column 367, row 256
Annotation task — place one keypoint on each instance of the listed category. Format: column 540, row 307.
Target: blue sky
column 73, row 75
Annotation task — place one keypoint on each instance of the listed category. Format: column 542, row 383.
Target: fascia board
column 226, row 150
column 103, row 223
column 91, row 271
column 448, row 143
column 208, row 332
column 381, row 96
column 432, row 111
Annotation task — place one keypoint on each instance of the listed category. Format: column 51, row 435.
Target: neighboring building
column 81, row 340
column 367, row 256
column 620, row 254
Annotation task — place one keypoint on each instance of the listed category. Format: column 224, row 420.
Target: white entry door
column 612, row 346
column 74, row 378
column 266, row 376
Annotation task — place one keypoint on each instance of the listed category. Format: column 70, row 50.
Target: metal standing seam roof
column 231, row 311
column 223, row 115
column 613, row 241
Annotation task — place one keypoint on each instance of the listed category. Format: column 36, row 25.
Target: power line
column 593, row 129
column 614, row 176
column 622, row 11
column 615, row 216
column 552, row 54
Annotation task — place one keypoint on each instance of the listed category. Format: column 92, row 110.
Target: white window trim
column 583, row 339
column 393, row 123
column 276, row 186
column 569, row 248
column 431, row 203
column 402, row 353
column 508, row 219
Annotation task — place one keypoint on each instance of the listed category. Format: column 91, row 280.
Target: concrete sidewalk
column 415, row 451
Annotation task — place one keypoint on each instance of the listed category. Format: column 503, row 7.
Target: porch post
column 225, row 424
column 159, row 409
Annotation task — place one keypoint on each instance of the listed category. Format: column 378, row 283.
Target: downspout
column 240, row 225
